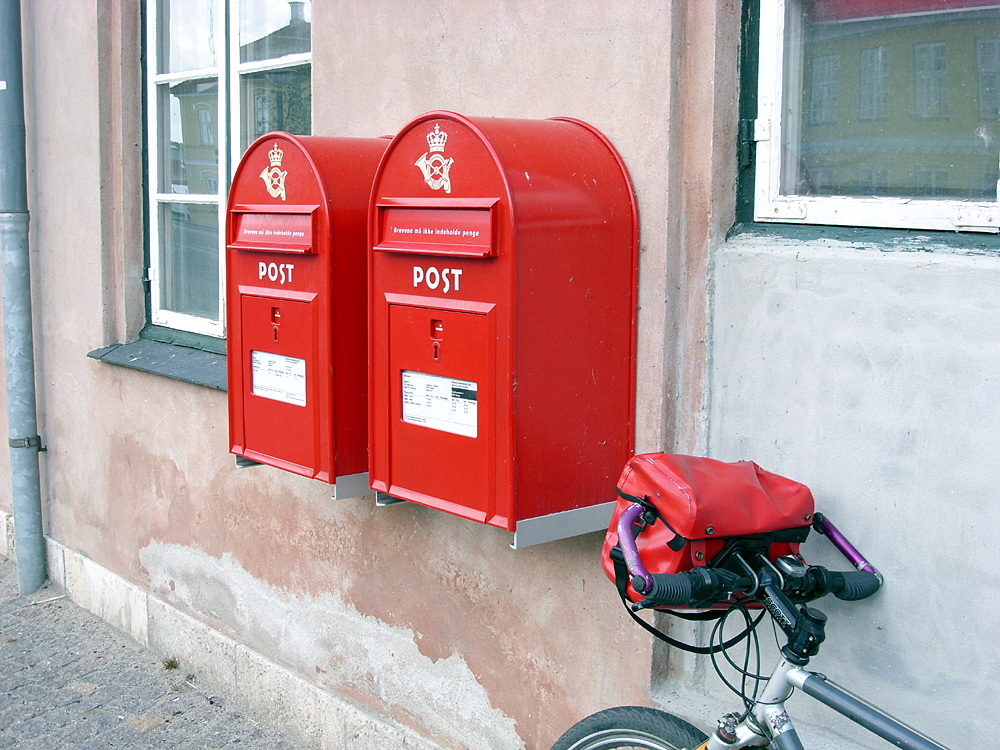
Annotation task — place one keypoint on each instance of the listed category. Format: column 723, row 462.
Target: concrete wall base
column 268, row 691
column 258, row 686
column 6, row 535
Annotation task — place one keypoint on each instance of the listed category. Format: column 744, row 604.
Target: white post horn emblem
column 434, row 166
column 272, row 176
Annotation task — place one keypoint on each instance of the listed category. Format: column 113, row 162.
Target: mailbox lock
column 437, row 333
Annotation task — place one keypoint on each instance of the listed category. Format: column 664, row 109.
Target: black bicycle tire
column 631, row 727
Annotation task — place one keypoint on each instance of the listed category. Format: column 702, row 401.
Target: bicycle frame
column 771, row 722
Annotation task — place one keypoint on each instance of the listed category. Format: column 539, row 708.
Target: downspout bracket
column 28, row 442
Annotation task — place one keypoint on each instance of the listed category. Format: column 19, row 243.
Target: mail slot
column 502, row 298
column 296, row 239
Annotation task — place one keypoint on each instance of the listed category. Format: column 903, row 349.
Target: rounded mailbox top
column 277, row 169
column 543, row 176
column 283, row 169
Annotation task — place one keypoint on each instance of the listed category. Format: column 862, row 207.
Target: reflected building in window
column 278, row 98
column 894, row 98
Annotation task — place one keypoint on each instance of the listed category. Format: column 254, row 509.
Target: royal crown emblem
column 436, row 139
column 274, row 178
column 435, row 168
column 275, row 155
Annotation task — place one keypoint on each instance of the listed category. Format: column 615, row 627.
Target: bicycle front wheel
column 634, row 727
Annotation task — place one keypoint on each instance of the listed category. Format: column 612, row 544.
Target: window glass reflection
column 270, row 29
column 895, row 98
column 189, row 262
column 276, row 100
column 187, row 35
column 191, row 160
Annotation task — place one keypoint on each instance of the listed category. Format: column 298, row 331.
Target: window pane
column 270, row 29
column 276, row 100
column 881, row 99
column 187, row 35
column 190, row 157
column 189, row 260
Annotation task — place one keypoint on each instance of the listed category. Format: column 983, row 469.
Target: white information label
column 440, row 403
column 278, row 377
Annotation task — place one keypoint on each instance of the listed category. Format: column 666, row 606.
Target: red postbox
column 502, row 293
column 296, row 238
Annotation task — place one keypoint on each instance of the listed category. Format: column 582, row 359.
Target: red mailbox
column 296, row 239
column 502, row 332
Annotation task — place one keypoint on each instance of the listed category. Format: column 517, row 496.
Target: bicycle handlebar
column 702, row 586
column 706, row 585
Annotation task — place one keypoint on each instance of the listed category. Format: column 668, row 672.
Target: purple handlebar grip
column 825, row 526
column 629, row 551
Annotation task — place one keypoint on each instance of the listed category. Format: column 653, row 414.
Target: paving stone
column 70, row 680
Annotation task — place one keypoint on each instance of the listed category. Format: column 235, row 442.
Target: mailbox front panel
column 441, row 400
column 279, row 364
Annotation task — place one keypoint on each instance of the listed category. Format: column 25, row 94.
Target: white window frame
column 769, row 203
column 157, row 199
column 228, row 139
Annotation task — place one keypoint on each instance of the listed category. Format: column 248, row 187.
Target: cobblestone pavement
column 69, row 680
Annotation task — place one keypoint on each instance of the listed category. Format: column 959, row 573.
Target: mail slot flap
column 450, row 226
column 273, row 229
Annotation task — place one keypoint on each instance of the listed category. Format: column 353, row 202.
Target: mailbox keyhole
column 437, row 333
column 276, row 320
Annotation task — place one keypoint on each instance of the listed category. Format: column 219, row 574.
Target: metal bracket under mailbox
column 562, row 525
column 382, row 500
column 351, row 485
column 543, row 529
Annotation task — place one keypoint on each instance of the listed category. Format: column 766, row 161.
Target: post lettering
column 433, row 278
column 280, row 272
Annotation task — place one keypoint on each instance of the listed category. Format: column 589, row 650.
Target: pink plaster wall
column 139, row 463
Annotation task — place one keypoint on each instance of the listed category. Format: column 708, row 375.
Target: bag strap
column 678, row 542
column 621, row 582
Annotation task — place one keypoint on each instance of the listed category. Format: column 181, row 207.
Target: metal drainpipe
column 21, row 417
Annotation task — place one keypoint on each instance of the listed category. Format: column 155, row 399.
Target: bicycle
column 731, row 584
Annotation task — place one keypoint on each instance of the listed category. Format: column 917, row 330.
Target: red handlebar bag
column 703, row 512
